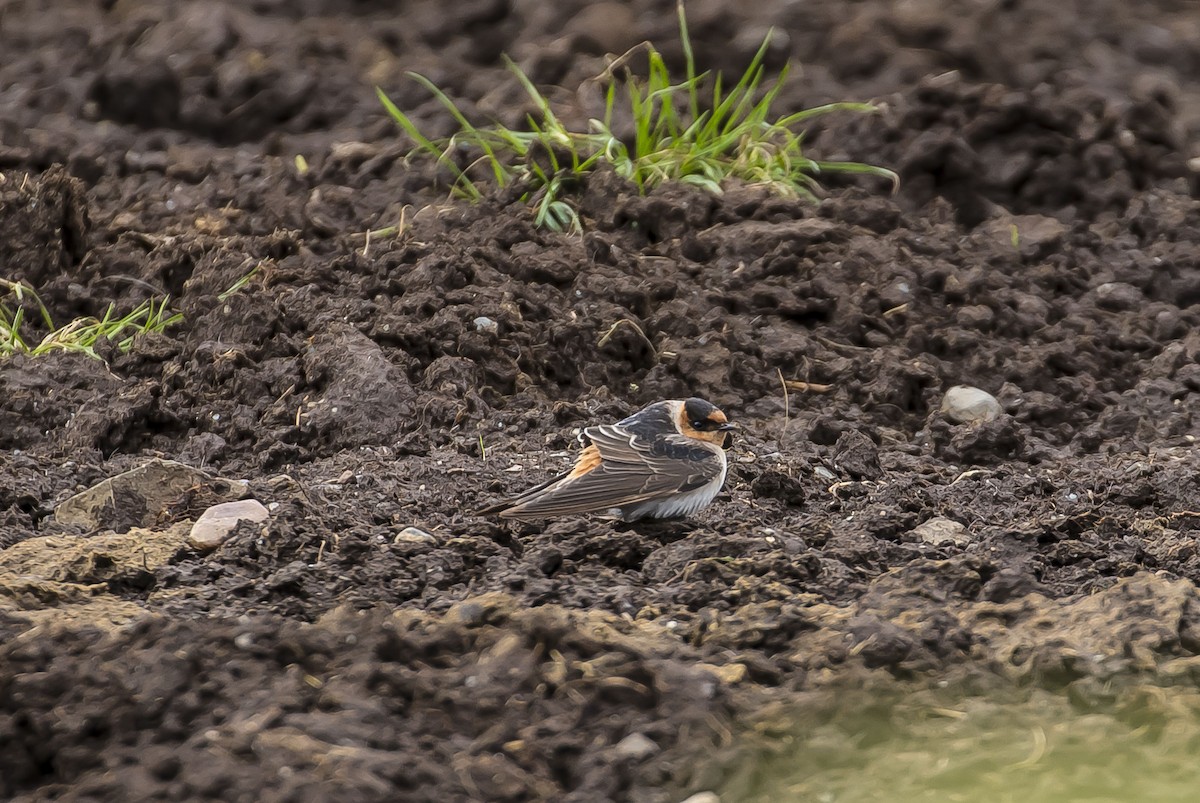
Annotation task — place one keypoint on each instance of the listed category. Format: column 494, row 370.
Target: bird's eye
column 700, row 424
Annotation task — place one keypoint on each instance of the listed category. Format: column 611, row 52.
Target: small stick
column 810, row 387
column 787, row 407
column 612, row 330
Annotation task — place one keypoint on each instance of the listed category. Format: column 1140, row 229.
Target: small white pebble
column 217, row 523
column 703, row 797
column 413, row 535
column 964, row 404
column 635, row 747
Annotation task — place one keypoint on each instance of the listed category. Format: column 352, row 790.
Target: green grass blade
column 469, row 134
column 860, row 169
column 689, row 60
column 828, row 108
column 425, row 144
column 538, row 98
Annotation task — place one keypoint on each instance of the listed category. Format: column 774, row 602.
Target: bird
column 665, row 461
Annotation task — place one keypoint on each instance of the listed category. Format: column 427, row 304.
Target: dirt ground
column 1044, row 246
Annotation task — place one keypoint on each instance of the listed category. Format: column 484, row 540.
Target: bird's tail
column 508, row 508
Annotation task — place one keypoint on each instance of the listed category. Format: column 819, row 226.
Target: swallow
column 665, row 461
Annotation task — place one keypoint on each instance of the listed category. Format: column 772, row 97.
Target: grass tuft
column 697, row 131
column 241, row 283
column 80, row 335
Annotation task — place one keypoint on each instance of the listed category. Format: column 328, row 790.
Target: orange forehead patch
column 686, row 428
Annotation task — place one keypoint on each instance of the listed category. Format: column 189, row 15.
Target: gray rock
column 1119, row 296
column 217, row 523
column 636, row 747
column 1028, row 234
column 485, row 324
column 138, row 497
column 414, row 535
column 940, row 530
column 964, row 404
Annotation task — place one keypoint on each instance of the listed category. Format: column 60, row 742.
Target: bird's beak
column 728, row 426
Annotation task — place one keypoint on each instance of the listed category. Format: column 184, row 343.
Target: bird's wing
column 618, row 469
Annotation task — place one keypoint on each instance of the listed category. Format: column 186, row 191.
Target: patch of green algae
column 1090, row 742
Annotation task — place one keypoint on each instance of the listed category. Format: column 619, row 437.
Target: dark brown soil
column 1044, row 246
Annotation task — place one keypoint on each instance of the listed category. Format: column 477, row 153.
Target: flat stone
column 217, row 523
column 137, row 497
column 940, row 530
column 1028, row 234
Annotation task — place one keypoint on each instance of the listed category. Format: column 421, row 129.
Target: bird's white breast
column 682, row 504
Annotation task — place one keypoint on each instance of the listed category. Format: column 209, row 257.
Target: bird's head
column 705, row 422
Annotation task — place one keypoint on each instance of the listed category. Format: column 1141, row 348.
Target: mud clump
column 44, row 226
